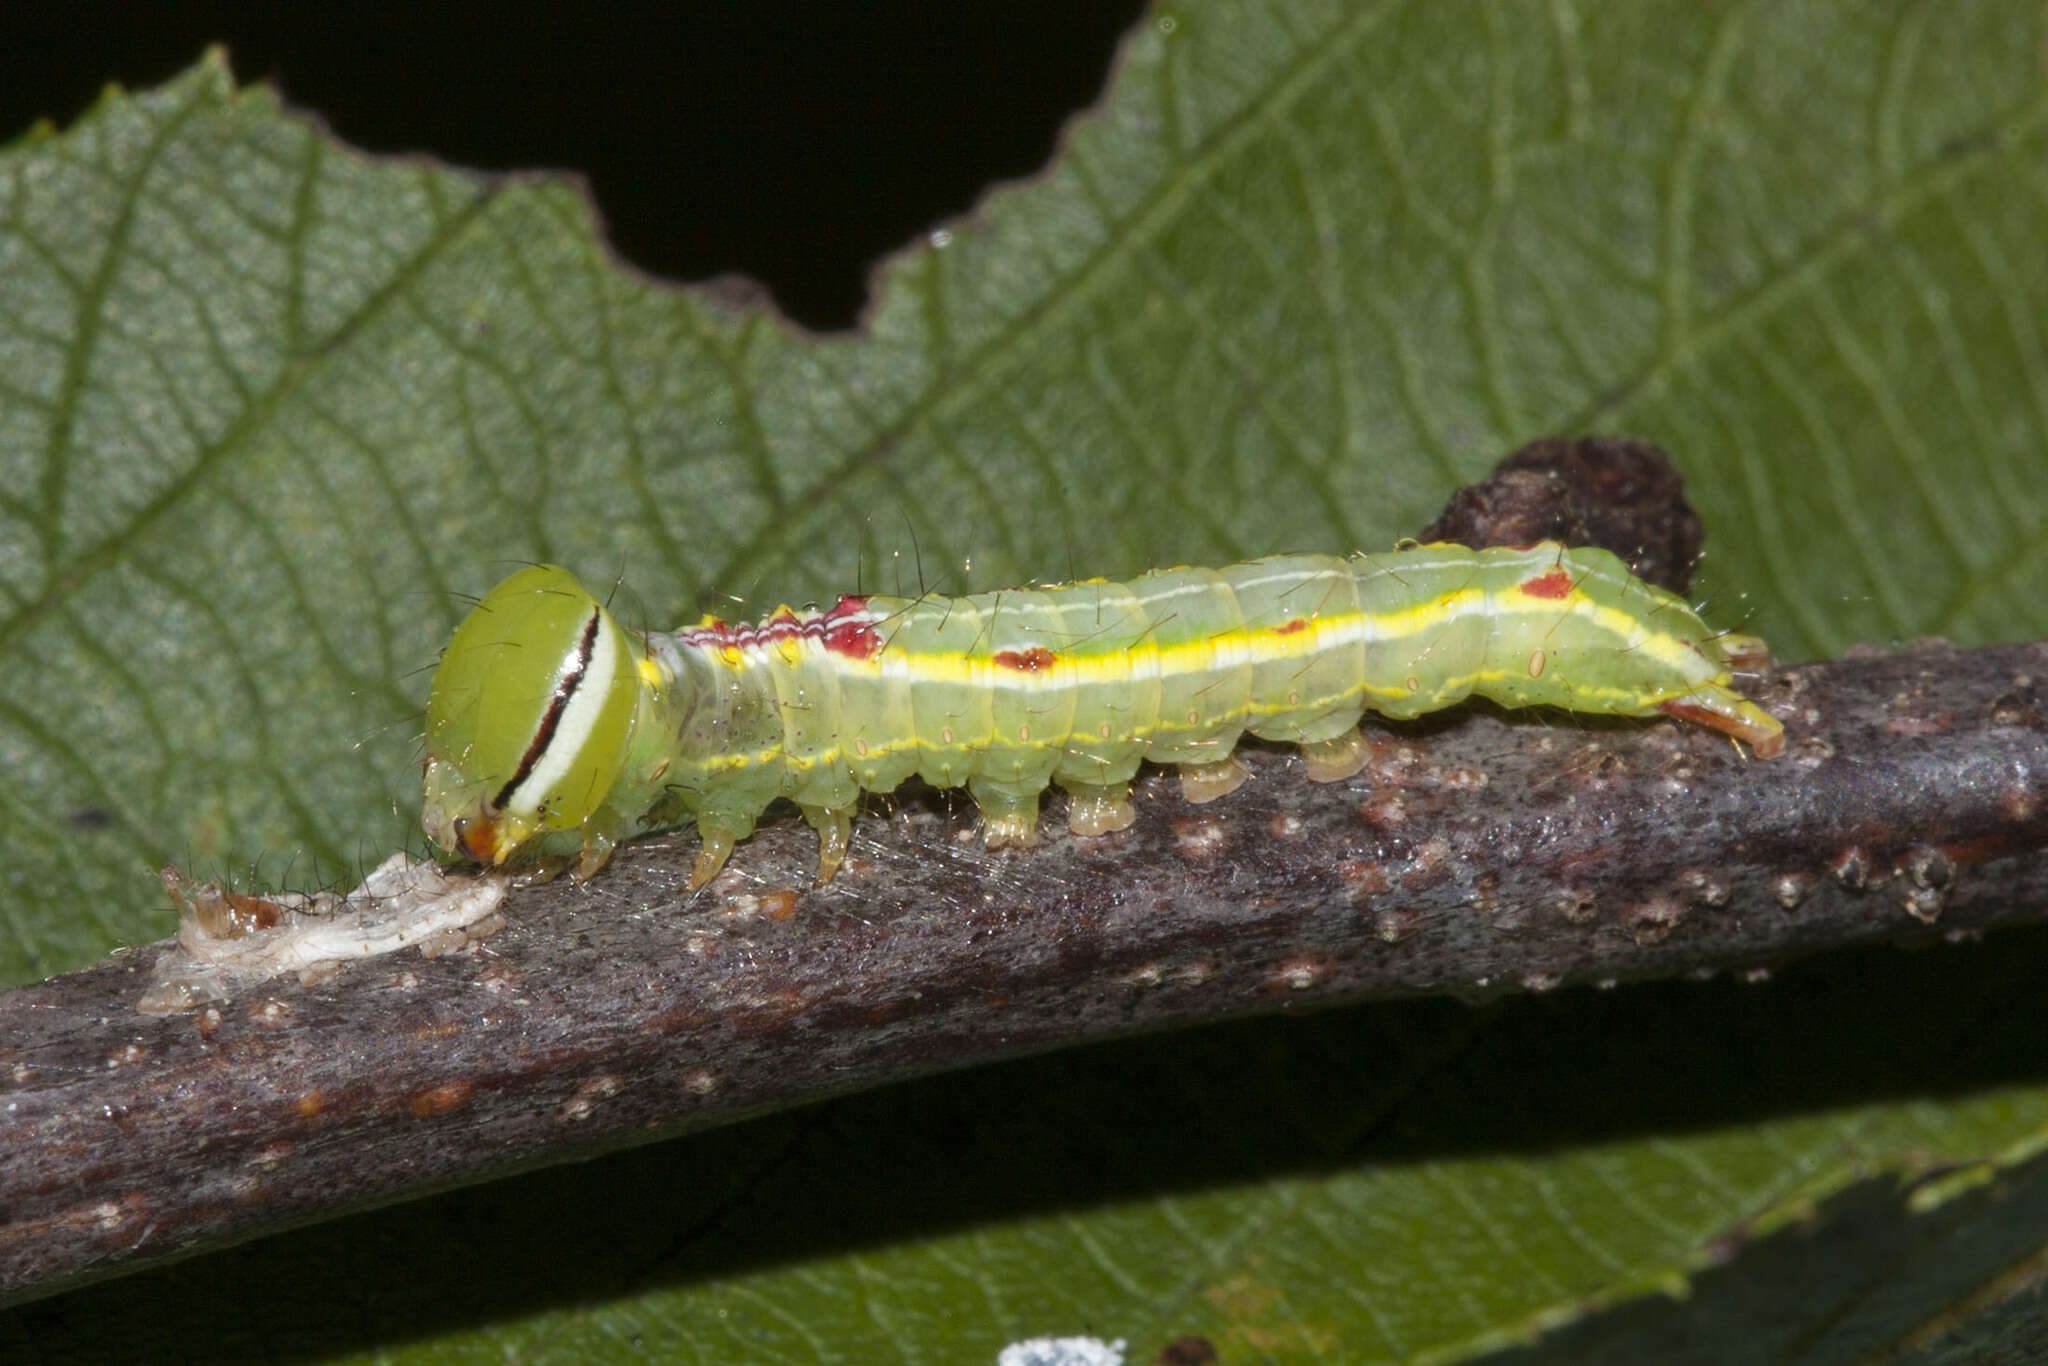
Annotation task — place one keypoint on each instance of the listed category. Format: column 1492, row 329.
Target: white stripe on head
column 575, row 717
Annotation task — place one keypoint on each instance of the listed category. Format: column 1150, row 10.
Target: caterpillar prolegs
column 553, row 733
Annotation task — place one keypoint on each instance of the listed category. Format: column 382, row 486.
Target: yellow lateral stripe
column 1254, row 647
column 1251, row 646
column 1210, row 653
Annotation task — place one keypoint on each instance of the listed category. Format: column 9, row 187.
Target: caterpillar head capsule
column 529, row 719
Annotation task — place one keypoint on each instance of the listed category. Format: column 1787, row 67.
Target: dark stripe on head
column 564, row 691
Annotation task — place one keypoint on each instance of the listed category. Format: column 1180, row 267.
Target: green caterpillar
column 554, row 733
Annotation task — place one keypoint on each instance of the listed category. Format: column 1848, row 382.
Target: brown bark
column 1479, row 854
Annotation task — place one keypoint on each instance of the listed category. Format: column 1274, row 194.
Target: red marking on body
column 1295, row 627
column 853, row 639
column 1026, row 661
column 847, row 632
column 844, row 630
column 713, row 633
column 1554, row 584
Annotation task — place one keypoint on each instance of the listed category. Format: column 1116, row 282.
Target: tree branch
column 1477, row 855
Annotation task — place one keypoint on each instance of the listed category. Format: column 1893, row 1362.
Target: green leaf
column 268, row 409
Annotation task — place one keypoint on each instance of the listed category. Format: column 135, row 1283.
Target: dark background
column 792, row 142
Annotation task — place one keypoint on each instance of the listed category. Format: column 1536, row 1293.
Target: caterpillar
column 553, row 733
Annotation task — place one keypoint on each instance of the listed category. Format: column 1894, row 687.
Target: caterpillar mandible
column 552, row 732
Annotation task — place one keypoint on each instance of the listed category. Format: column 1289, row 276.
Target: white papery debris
column 229, row 941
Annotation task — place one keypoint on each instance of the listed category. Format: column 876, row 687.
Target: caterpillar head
column 529, row 718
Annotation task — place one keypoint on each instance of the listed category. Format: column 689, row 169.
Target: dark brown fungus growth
column 1187, row 1351
column 1618, row 493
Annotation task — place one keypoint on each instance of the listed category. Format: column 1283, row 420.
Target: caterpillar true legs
column 553, row 733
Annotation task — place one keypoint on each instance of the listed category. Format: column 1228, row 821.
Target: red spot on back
column 854, row 639
column 847, row 631
column 1554, row 584
column 1026, row 661
column 1294, row 627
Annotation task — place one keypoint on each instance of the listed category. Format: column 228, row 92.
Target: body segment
column 1004, row 693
